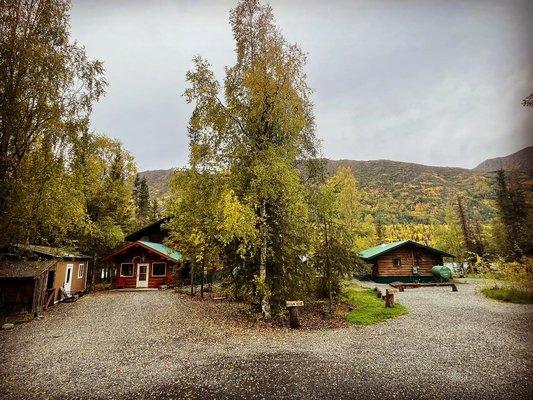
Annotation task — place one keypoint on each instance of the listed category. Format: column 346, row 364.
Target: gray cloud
column 434, row 82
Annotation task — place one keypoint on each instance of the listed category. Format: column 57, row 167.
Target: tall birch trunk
column 328, row 268
column 203, row 277
column 265, row 304
column 192, row 279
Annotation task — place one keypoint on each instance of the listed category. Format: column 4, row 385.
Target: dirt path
column 161, row 345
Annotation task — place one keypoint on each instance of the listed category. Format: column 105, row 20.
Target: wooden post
column 389, row 298
column 191, row 274
column 93, row 271
column 294, row 319
column 203, row 276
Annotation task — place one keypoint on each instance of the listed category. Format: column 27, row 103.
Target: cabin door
column 68, row 278
column 142, row 275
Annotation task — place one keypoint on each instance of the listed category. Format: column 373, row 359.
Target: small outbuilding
column 144, row 264
column 32, row 278
column 404, row 261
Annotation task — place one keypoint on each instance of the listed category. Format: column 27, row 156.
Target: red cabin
column 144, row 264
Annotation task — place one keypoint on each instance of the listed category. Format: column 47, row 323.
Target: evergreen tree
column 144, row 207
column 472, row 235
column 512, row 210
column 154, row 210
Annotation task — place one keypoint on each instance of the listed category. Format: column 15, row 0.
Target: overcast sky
column 432, row 82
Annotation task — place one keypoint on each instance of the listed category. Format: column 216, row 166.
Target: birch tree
column 337, row 226
column 256, row 125
column 47, row 88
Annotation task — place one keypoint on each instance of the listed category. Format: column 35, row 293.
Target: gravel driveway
column 162, row 345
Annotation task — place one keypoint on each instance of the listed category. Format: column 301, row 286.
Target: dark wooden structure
column 401, row 286
column 404, row 261
column 32, row 278
column 154, row 232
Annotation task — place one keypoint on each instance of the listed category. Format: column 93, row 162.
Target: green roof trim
column 375, row 251
column 162, row 249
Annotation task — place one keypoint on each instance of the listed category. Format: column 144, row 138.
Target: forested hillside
column 399, row 192
column 396, row 192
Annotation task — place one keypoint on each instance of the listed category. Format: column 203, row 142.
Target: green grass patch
column 368, row 308
column 509, row 295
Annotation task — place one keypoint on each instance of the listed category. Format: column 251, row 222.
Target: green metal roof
column 375, row 251
column 162, row 249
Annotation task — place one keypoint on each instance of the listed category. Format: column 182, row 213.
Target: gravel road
column 163, row 345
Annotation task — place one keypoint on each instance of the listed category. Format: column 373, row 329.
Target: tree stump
column 389, row 298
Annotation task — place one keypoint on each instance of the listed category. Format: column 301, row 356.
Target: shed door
column 68, row 278
column 142, row 275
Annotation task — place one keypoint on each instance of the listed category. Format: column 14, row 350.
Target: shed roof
column 375, row 251
column 158, row 248
column 24, row 268
column 54, row 252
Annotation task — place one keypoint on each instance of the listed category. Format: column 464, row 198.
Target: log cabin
column 404, row 261
column 144, row 264
column 33, row 278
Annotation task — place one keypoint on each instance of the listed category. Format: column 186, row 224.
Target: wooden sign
column 296, row 303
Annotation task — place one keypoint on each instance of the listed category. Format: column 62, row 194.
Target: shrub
column 514, row 281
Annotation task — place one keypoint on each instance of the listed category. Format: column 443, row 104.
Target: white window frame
column 164, row 263
column 132, row 270
column 81, row 268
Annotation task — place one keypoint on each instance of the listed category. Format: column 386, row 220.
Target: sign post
column 294, row 320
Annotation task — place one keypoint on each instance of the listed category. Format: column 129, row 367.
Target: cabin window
column 159, row 269
column 81, row 270
column 397, row 262
column 126, row 269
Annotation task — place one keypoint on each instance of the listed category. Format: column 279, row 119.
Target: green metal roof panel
column 379, row 249
column 375, row 251
column 161, row 248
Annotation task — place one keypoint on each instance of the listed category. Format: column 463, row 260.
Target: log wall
column 409, row 256
column 140, row 255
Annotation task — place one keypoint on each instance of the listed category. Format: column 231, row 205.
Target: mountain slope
column 157, row 181
column 520, row 161
column 400, row 192
column 396, row 192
